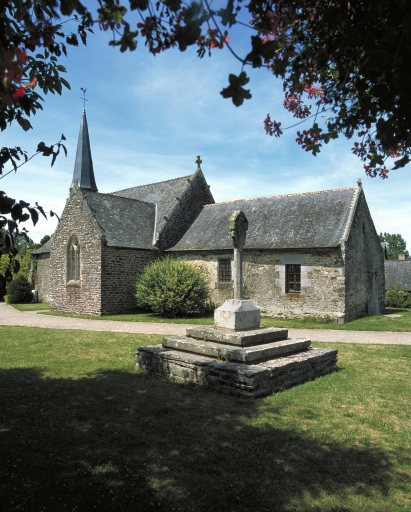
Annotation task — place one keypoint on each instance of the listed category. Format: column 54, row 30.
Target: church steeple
column 83, row 168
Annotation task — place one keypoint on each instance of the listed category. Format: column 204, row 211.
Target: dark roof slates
column 124, row 222
column 398, row 273
column 277, row 222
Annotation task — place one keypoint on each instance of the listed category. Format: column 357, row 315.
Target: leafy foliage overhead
column 344, row 65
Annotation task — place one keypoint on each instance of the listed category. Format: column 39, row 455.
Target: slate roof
column 124, row 222
column 45, row 248
column 398, row 273
column 314, row 219
column 164, row 194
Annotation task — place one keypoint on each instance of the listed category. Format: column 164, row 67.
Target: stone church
column 309, row 254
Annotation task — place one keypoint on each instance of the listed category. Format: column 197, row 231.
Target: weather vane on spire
column 84, row 98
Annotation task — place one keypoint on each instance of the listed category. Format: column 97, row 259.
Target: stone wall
column 83, row 296
column 187, row 211
column 120, row 268
column 42, row 279
column 363, row 254
column 322, row 281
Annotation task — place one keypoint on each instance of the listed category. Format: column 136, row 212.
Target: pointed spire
column 83, row 168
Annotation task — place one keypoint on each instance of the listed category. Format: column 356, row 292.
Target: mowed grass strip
column 81, row 430
column 385, row 322
column 37, row 306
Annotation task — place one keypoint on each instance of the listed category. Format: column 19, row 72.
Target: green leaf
column 24, row 123
column 401, row 162
column 235, row 91
column 65, row 83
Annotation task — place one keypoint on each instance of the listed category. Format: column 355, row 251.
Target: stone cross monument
column 237, row 314
column 238, row 225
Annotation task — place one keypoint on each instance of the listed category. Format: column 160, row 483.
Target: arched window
column 73, row 259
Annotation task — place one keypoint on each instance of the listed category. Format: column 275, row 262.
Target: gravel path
column 10, row 316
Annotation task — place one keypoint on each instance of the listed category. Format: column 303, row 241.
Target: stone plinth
column 243, row 380
column 237, row 315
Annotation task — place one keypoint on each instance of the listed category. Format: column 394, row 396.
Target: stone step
column 241, row 338
column 248, row 355
column 246, row 381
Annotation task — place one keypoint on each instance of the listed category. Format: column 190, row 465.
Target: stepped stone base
column 241, row 338
column 229, row 353
column 243, row 380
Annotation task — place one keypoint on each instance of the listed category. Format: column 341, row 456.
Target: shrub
column 19, row 291
column 173, row 288
column 397, row 297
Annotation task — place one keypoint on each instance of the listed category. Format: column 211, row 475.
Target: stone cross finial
column 198, row 161
column 238, row 225
column 359, row 183
column 84, row 96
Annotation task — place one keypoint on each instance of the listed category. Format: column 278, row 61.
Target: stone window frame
column 224, row 285
column 306, row 282
column 293, row 278
column 73, row 261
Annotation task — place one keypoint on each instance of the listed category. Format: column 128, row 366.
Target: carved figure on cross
column 238, row 225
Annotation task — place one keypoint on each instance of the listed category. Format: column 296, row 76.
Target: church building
column 307, row 254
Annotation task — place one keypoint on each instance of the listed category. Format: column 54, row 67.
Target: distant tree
column 396, row 245
column 23, row 243
column 45, row 239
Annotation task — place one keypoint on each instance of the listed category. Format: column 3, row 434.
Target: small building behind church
column 309, row 254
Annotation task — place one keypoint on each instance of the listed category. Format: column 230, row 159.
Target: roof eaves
column 353, row 208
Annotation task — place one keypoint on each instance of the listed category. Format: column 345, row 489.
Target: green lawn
column 38, row 306
column 81, row 430
column 369, row 323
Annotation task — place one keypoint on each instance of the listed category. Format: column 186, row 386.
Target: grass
column 38, row 306
column 81, row 430
column 368, row 323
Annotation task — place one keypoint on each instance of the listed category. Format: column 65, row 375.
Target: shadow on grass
column 134, row 442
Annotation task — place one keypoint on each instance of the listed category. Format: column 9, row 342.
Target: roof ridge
column 154, row 183
column 118, row 197
column 282, row 195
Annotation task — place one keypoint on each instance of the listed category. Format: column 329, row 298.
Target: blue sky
column 149, row 117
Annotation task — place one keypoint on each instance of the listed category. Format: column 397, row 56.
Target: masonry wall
column 187, row 211
column 120, row 269
column 363, row 254
column 83, row 296
column 322, row 281
column 42, row 279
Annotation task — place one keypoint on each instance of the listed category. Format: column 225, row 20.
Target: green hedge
column 173, row 288
column 397, row 297
column 19, row 291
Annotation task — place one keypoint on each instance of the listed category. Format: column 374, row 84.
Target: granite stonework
column 242, row 339
column 237, row 315
column 248, row 381
column 249, row 363
column 329, row 233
